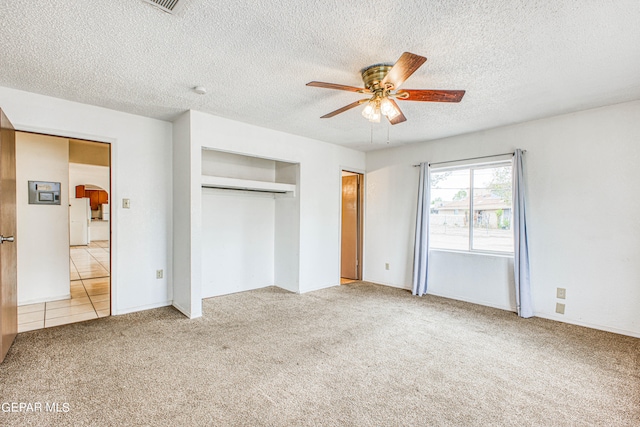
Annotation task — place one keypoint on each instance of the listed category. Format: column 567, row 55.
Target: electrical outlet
column 159, row 274
column 126, row 203
column 559, row 308
column 561, row 293
column 386, row 265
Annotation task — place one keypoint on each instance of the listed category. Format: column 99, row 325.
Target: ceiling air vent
column 169, row 6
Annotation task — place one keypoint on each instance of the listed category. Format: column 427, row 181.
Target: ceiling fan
column 381, row 83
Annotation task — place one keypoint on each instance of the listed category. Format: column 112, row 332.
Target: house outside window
column 471, row 208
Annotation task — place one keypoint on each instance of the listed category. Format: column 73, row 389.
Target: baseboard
column 235, row 291
column 181, row 309
column 41, row 300
column 319, row 288
column 536, row 314
column 483, row 303
column 285, row 289
column 556, row 318
column 141, row 308
column 391, row 285
column 453, row 297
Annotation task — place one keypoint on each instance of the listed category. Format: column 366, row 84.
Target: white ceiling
column 518, row 60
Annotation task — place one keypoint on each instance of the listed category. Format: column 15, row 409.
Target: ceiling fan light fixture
column 371, row 111
column 368, row 110
column 388, row 109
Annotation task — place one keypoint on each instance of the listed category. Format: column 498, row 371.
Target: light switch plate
column 126, row 203
column 561, row 293
column 559, row 308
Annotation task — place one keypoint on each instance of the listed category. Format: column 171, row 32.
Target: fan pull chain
column 371, row 141
column 388, row 127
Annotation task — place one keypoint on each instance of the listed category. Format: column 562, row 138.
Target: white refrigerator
column 79, row 222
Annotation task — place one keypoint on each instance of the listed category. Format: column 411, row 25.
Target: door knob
column 10, row 239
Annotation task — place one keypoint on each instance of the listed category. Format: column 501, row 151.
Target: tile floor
column 90, row 292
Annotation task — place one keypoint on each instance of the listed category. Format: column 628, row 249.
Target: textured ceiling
column 517, row 60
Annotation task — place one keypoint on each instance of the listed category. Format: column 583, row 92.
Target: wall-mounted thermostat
column 44, row 193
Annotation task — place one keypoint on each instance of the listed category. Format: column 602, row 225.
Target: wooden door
column 350, row 228
column 8, row 267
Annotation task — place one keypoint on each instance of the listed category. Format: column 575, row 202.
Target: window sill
column 476, row 253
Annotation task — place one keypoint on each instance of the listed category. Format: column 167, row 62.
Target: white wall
column 319, row 192
column 229, row 165
column 287, row 230
column 187, row 215
column 238, row 241
column 42, row 230
column 582, row 177
column 481, row 279
column 140, row 158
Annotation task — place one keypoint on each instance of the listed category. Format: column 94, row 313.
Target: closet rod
column 469, row 158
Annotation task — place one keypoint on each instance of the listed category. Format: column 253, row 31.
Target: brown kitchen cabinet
column 103, row 197
column 96, row 197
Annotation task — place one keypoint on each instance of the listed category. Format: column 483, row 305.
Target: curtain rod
column 469, row 158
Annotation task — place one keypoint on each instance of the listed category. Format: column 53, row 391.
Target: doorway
column 351, row 227
column 77, row 285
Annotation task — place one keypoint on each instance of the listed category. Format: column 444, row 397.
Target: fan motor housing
column 373, row 75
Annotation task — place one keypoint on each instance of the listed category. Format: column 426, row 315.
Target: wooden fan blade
column 399, row 118
column 343, row 109
column 335, row 86
column 431, row 95
column 406, row 65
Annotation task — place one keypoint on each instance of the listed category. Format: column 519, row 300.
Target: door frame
column 361, row 221
column 113, row 226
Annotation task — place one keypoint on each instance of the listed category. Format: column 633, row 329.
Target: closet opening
column 250, row 223
column 351, row 227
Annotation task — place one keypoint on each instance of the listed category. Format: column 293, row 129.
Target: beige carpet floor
column 354, row 355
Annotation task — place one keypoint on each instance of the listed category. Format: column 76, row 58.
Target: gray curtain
column 521, row 249
column 421, row 245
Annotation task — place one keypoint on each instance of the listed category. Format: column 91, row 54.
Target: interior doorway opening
column 351, row 227
column 72, row 237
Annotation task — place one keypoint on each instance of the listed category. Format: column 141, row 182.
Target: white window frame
column 471, row 167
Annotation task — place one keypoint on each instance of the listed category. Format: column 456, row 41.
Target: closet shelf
column 246, row 184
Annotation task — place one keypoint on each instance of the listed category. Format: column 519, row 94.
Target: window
column 471, row 208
